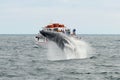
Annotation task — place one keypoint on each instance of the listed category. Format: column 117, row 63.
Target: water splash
column 77, row 49
column 54, row 52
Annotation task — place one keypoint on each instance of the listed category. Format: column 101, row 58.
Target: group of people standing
column 68, row 32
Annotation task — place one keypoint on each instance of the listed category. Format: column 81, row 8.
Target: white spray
column 77, row 49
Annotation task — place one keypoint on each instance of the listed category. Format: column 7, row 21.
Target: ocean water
column 22, row 59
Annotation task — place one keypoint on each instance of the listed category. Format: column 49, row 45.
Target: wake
column 77, row 49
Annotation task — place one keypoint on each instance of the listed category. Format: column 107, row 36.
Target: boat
column 53, row 28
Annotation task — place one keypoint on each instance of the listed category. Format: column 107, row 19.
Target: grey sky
column 87, row 16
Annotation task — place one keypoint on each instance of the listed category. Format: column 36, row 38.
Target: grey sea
column 22, row 59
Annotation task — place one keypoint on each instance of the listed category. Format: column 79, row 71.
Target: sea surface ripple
column 22, row 59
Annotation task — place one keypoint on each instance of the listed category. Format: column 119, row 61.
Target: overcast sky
column 87, row 16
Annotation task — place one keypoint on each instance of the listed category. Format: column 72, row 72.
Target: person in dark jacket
column 74, row 31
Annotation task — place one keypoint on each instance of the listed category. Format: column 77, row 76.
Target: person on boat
column 68, row 31
column 38, row 37
column 74, row 32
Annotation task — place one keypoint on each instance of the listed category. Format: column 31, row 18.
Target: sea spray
column 54, row 52
column 77, row 49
